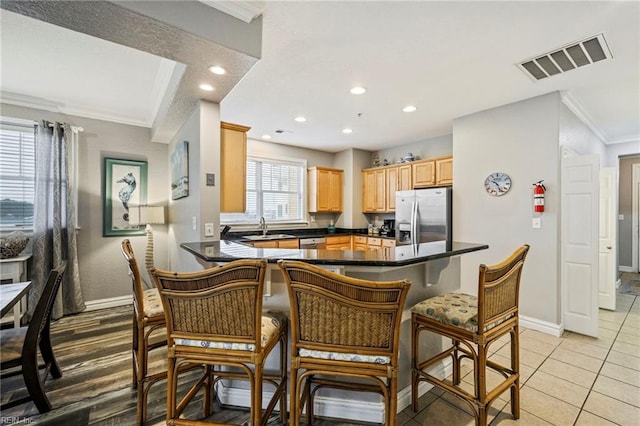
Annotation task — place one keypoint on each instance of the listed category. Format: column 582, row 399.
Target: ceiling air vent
column 571, row 56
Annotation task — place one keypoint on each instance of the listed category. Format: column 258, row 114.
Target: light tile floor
column 568, row 380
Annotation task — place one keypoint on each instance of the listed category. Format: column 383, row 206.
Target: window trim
column 301, row 162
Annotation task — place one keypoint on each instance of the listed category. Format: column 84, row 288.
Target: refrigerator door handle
column 415, row 228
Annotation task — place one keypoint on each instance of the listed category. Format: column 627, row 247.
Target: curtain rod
column 74, row 128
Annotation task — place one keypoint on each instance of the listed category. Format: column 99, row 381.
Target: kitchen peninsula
column 433, row 268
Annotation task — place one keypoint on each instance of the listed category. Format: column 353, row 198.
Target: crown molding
column 583, row 116
column 244, row 10
column 59, row 107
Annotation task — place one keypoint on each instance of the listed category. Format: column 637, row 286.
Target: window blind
column 274, row 190
column 17, row 183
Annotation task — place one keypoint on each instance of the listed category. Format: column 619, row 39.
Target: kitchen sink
column 268, row 237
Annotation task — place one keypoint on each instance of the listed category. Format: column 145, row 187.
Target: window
column 275, row 191
column 17, row 169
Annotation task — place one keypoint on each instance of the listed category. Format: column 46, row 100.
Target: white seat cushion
column 339, row 356
column 272, row 323
column 152, row 303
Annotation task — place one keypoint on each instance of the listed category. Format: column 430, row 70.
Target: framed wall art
column 125, row 185
column 180, row 171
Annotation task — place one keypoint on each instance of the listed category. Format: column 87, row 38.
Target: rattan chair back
column 221, row 304
column 136, row 279
column 499, row 289
column 336, row 313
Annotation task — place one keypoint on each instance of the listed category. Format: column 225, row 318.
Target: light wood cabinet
column 374, row 190
column 338, row 242
column 359, row 242
column 233, row 166
column 374, row 243
column 325, row 189
column 379, row 187
column 386, row 242
column 291, row 243
column 444, row 171
column 288, row 243
column 423, row 173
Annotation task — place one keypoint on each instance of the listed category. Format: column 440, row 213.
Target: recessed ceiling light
column 206, row 87
column 409, row 108
column 217, row 70
column 358, row 90
column 347, row 131
column 300, row 119
column 266, row 136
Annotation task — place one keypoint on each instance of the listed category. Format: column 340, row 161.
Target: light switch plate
column 620, row 217
column 211, row 179
column 208, row 229
column 536, row 223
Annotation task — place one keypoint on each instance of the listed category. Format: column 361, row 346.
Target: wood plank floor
column 93, row 351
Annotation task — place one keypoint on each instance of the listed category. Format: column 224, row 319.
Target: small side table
column 14, row 270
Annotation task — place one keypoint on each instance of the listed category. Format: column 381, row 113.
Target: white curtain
column 54, row 236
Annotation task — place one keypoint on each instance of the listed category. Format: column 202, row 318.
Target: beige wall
column 428, row 148
column 103, row 272
column 520, row 139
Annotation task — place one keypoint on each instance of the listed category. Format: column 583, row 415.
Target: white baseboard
column 112, row 302
column 625, row 269
column 542, row 326
column 347, row 409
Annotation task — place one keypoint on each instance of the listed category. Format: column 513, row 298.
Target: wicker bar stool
column 148, row 316
column 473, row 324
column 214, row 319
column 342, row 329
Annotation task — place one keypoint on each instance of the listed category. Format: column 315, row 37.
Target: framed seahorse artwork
column 125, row 185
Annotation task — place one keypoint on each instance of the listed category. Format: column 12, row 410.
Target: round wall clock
column 497, row 184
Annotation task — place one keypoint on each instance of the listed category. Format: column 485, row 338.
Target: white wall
column 520, row 139
column 103, row 271
column 352, row 161
column 577, row 136
column 429, row 148
column 614, row 151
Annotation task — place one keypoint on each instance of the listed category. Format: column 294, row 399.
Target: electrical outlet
column 536, row 223
column 208, row 229
column 312, row 218
column 620, row 217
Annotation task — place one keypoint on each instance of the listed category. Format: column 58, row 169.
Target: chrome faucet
column 263, row 226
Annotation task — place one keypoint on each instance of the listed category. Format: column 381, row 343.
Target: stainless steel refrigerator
column 423, row 215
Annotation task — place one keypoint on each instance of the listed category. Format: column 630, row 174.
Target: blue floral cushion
column 272, row 322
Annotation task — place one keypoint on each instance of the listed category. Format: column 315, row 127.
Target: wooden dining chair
column 345, row 334
column 148, row 317
column 19, row 348
column 214, row 319
column 473, row 323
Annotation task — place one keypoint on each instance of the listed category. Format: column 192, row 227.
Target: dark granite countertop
column 301, row 233
column 227, row 251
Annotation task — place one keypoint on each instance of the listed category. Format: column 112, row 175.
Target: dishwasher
column 313, row 243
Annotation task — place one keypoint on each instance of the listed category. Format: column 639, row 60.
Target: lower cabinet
column 338, row 242
column 290, row 243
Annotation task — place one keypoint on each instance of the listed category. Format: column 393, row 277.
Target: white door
column 579, row 243
column 608, row 244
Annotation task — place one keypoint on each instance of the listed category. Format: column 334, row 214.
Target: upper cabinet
column 380, row 184
column 325, row 189
column 444, row 171
column 374, row 190
column 432, row 172
column 233, row 166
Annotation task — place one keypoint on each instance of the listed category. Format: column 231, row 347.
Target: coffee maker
column 388, row 228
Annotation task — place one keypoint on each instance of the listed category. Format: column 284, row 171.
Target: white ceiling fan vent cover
column 572, row 56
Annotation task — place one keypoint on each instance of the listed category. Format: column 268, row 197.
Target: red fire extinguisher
column 538, row 197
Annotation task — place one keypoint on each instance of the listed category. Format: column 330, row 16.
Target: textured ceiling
column 449, row 59
column 129, row 26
